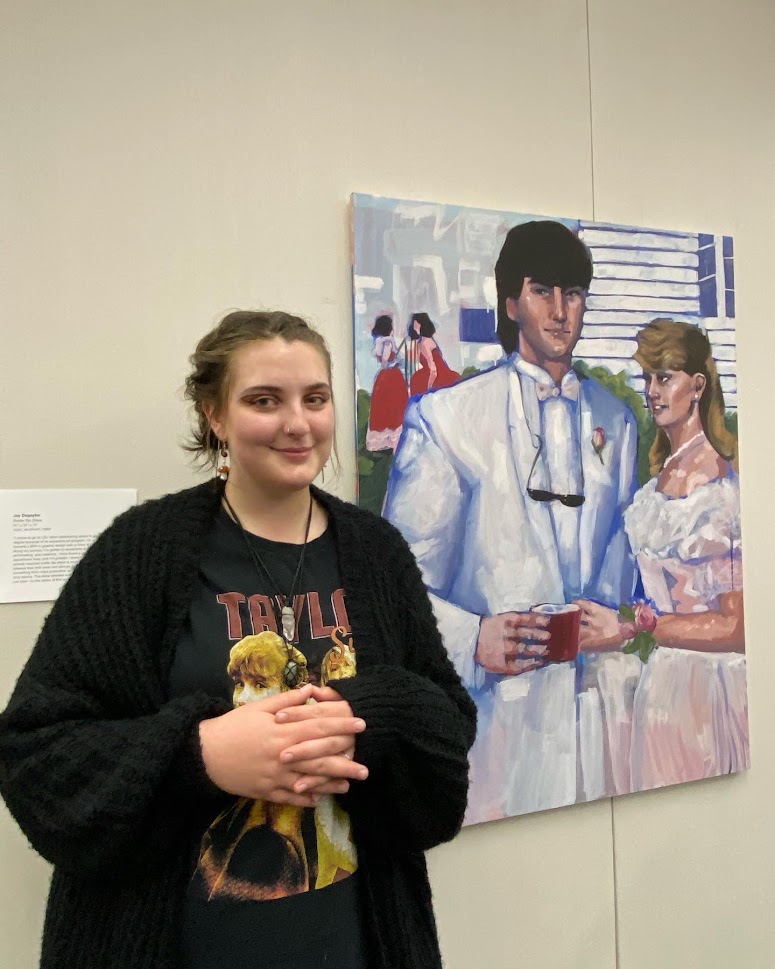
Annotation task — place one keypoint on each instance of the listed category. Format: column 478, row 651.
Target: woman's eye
column 317, row 400
column 262, row 401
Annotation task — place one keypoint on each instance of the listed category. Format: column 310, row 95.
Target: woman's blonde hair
column 672, row 345
column 207, row 385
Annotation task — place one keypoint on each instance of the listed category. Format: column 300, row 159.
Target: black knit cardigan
column 104, row 774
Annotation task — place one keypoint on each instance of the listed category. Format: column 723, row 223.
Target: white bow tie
column 569, row 388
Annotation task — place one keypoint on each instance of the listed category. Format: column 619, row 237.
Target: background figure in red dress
column 389, row 396
column 433, row 371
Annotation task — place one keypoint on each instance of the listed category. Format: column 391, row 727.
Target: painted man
column 510, row 488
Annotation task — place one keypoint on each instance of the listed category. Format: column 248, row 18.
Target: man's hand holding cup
column 511, row 643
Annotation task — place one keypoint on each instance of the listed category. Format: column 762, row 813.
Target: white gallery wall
column 163, row 163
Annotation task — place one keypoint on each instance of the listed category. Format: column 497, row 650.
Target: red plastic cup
column 564, row 624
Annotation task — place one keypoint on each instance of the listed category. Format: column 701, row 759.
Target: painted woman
column 690, row 717
column 433, row 371
column 389, row 395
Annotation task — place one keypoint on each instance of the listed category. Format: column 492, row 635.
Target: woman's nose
column 296, row 420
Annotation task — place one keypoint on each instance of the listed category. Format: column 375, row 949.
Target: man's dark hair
column 549, row 253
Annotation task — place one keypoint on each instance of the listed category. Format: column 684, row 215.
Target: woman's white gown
column 690, row 711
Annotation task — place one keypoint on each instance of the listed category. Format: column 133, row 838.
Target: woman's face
column 278, row 418
column 672, row 395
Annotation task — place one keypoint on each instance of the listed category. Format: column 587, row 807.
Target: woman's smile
column 294, row 453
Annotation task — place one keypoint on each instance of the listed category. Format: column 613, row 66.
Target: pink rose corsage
column 638, row 623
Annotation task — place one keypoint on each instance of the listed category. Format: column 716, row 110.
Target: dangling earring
column 223, row 470
column 323, row 473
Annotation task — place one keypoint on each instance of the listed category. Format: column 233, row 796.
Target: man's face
column 549, row 320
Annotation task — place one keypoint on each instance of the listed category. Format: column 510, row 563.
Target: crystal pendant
column 289, row 623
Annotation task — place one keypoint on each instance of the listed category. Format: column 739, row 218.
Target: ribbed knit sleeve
column 420, row 721
column 94, row 765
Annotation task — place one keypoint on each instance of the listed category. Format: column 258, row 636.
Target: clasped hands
column 285, row 749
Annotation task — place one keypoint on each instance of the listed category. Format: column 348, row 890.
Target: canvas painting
column 547, row 411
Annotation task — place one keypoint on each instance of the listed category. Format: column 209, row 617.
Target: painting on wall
column 547, row 410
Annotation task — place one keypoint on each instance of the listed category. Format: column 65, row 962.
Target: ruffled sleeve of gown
column 699, row 533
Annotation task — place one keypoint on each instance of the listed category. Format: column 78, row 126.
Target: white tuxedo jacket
column 458, row 493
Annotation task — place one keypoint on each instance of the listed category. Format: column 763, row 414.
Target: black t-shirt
column 276, row 886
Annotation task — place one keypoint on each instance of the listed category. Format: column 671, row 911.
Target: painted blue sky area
column 450, row 211
column 381, row 203
column 415, row 256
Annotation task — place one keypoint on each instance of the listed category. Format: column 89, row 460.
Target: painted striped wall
column 642, row 274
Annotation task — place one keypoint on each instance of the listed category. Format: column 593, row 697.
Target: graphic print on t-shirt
column 260, row 850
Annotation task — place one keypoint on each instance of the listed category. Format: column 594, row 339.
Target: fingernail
column 359, row 724
column 282, row 715
column 286, row 757
column 362, row 774
column 301, row 788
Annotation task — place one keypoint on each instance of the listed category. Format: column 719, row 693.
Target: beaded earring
column 223, row 469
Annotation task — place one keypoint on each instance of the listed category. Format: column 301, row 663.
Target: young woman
column 690, row 716
column 433, row 371
column 239, row 729
column 389, row 395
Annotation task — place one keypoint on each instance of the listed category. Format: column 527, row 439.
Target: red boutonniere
column 598, row 442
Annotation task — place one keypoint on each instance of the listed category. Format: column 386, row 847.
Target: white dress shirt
column 558, row 467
